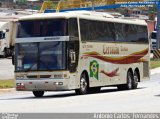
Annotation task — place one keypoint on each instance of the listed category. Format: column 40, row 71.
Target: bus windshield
column 42, row 28
column 40, row 56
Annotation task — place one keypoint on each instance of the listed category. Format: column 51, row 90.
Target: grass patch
column 154, row 63
column 8, row 83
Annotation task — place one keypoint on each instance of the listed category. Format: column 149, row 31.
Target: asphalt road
column 144, row 99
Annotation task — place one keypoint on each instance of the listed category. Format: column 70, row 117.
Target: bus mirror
column 12, row 59
column 72, row 56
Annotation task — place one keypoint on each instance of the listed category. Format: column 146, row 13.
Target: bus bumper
column 42, row 85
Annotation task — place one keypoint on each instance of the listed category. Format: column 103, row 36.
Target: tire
column 4, row 53
column 135, row 80
column 38, row 93
column 128, row 86
column 84, row 85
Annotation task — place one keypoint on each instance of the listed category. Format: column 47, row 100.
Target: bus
column 81, row 51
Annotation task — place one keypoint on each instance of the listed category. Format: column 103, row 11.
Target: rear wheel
column 135, row 80
column 128, row 86
column 38, row 93
column 83, row 85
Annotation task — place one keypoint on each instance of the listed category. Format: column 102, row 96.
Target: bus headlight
column 20, row 86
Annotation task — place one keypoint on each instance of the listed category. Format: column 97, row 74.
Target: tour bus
column 81, row 51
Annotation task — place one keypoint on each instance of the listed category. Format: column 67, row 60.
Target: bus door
column 73, row 55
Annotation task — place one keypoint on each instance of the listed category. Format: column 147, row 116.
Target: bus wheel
column 4, row 53
column 83, row 85
column 128, row 86
column 135, row 80
column 38, row 93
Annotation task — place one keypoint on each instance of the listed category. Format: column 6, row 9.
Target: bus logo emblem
column 94, row 67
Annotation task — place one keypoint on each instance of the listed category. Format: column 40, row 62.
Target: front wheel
column 38, row 93
column 4, row 53
column 83, row 85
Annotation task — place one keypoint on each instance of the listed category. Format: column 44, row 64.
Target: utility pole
column 92, row 5
column 158, row 25
column 156, row 52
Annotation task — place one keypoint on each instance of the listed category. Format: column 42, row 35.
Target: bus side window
column 1, row 35
column 73, row 27
column 119, row 32
column 4, row 35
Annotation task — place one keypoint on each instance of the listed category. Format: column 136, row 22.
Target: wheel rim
column 83, row 84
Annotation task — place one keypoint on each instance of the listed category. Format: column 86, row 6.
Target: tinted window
column 154, row 35
column 73, row 27
column 41, row 56
column 51, row 55
column 120, row 34
column 135, row 33
column 42, row 28
column 1, row 35
column 108, row 31
column 96, row 30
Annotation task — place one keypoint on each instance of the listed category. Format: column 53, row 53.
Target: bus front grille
column 39, row 76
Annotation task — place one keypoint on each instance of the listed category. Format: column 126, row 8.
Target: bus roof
column 100, row 16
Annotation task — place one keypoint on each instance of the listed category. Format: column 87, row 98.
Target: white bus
column 81, row 51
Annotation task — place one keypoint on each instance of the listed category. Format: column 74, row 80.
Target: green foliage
column 9, row 83
column 154, row 63
column 53, row 6
column 153, row 9
column 22, row 2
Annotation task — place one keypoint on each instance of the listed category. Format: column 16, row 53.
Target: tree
column 152, row 12
column 21, row 2
column 52, row 5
